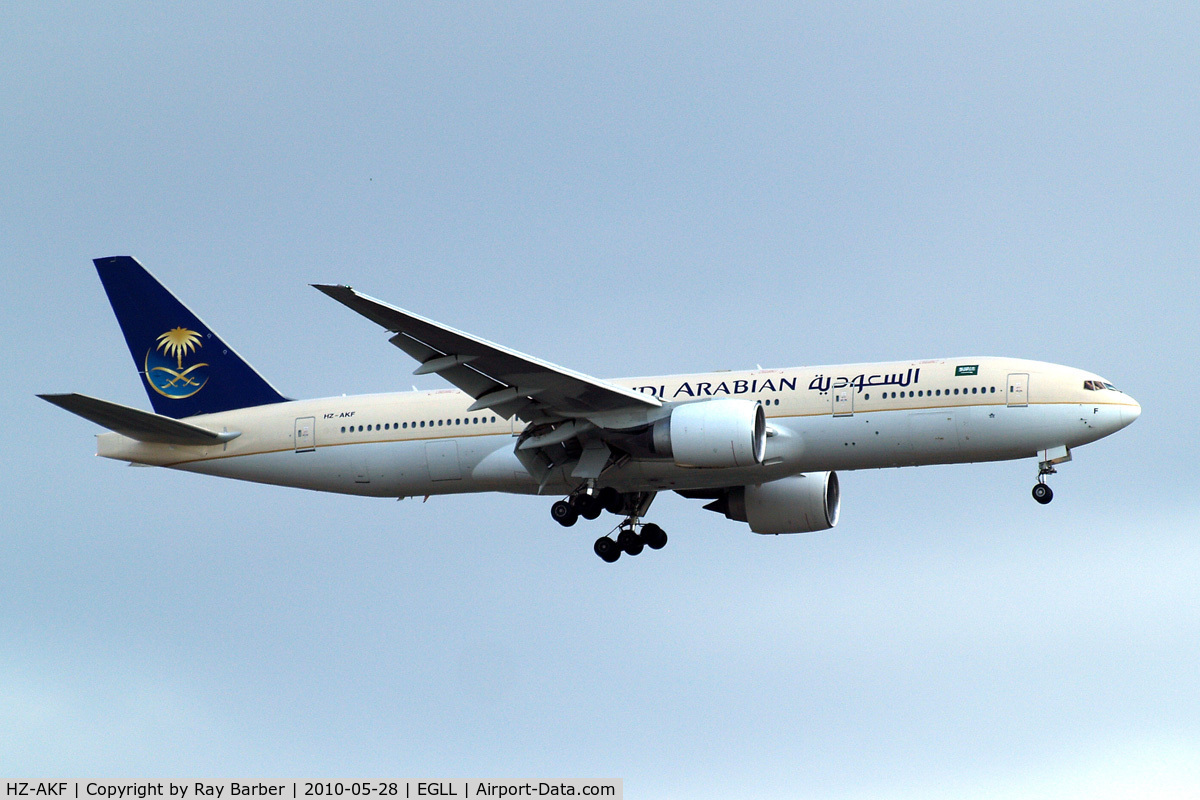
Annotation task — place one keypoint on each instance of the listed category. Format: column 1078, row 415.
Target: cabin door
column 843, row 401
column 305, row 438
column 1018, row 390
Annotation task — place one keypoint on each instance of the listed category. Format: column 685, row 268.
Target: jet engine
column 797, row 504
column 713, row 433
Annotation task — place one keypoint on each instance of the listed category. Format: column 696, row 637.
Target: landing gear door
column 843, row 401
column 442, row 456
column 1018, row 390
column 305, row 436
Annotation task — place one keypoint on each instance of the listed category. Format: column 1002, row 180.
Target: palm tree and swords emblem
column 179, row 382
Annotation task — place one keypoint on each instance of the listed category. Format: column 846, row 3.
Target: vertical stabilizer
column 185, row 367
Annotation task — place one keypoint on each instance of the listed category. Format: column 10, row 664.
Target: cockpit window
column 1110, row 386
column 1090, row 386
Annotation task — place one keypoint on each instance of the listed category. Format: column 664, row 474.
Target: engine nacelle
column 713, row 433
column 799, row 504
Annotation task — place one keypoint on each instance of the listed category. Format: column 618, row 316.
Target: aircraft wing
column 499, row 379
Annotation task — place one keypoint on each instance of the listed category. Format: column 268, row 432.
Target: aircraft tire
column 630, row 542
column 1042, row 493
column 607, row 549
column 654, row 536
column 612, row 500
column 590, row 507
column 564, row 514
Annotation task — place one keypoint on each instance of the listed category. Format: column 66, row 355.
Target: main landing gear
column 630, row 541
column 587, row 505
column 632, row 536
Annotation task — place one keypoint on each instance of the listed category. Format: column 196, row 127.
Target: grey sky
column 624, row 191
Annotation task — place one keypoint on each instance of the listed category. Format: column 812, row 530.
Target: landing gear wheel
column 590, row 507
column 630, row 542
column 564, row 513
column 1042, row 493
column 607, row 549
column 654, row 536
column 612, row 500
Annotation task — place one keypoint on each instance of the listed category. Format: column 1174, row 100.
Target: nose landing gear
column 1046, row 460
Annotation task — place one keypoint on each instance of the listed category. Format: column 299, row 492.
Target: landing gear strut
column 1041, row 490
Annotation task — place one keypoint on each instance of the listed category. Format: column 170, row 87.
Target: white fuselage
column 857, row 416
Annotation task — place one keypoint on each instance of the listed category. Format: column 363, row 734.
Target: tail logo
column 165, row 369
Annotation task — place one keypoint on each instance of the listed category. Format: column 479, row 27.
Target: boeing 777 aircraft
column 761, row 446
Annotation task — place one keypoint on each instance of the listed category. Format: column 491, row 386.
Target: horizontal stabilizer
column 135, row 423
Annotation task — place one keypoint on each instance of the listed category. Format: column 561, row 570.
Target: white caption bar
column 310, row 790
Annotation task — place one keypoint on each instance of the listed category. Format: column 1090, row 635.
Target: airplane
column 763, row 446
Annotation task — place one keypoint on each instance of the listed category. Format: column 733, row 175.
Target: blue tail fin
column 186, row 367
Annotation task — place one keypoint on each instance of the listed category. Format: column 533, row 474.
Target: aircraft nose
column 1130, row 412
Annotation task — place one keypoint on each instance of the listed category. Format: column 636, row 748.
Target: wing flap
column 135, row 423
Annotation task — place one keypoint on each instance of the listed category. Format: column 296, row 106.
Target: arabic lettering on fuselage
column 822, row 383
